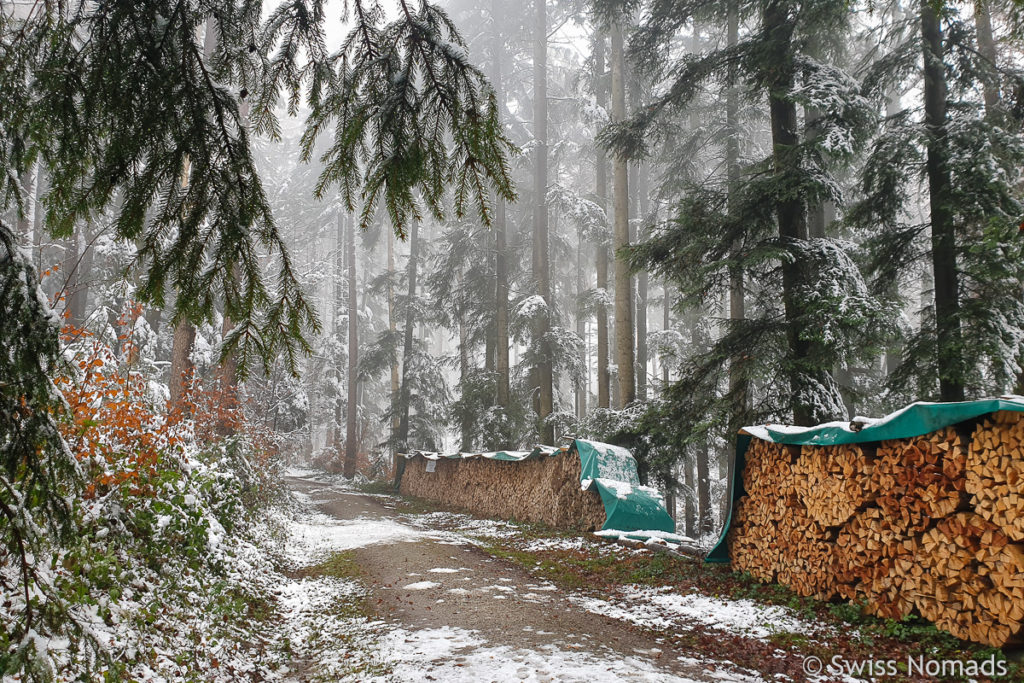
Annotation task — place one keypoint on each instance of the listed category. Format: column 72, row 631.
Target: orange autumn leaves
column 122, row 430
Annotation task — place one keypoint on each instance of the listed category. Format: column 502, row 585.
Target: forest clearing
column 669, row 340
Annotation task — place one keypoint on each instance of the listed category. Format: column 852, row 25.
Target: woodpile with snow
column 932, row 525
column 544, row 489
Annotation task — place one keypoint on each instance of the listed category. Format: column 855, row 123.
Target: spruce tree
column 116, row 103
column 810, row 310
column 965, row 155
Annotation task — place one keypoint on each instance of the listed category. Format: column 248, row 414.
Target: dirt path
column 449, row 603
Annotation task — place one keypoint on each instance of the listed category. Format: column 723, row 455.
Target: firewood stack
column 933, row 523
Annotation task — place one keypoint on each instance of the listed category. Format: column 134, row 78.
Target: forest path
column 455, row 613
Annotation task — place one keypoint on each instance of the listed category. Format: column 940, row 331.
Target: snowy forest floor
column 382, row 588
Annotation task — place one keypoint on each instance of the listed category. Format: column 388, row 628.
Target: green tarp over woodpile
column 628, row 505
column 917, row 419
column 610, row 470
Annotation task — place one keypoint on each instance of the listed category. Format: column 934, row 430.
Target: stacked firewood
column 932, row 524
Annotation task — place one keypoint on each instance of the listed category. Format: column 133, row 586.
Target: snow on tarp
column 916, row 419
column 611, row 470
column 628, row 505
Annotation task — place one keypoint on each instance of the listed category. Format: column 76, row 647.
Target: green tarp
column 914, row 420
column 628, row 506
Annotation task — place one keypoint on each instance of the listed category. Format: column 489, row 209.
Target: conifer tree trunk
column 705, row 518
column 541, row 265
column 501, row 275
column 181, row 347
column 78, row 274
column 601, row 256
column 987, row 49
column 737, row 286
column 25, row 221
column 689, row 506
column 37, row 218
column 502, row 366
column 393, row 327
column 352, row 413
column 465, row 422
column 623, row 281
column 947, row 301
column 666, row 324
column 791, row 212
column 340, row 256
column 642, row 285
column 181, row 362
column 410, row 321
column 583, row 386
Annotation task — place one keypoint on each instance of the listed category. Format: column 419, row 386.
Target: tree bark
column 352, row 412
column 624, row 341
column 541, row 266
column 583, row 386
column 42, row 186
column 666, row 324
column 26, row 219
column 78, row 274
column 987, row 49
column 393, row 328
column 790, row 211
column 689, row 506
column 502, row 366
column 601, row 256
column 181, row 363
column 410, row 321
column 943, row 239
column 642, row 286
column 465, row 422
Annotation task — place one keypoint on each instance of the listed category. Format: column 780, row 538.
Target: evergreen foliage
column 810, row 310
column 984, row 152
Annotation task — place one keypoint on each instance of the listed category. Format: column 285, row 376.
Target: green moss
column 341, row 565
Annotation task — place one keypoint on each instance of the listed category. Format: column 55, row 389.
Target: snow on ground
column 315, row 536
column 660, row 609
column 457, row 655
column 467, row 526
column 538, row 544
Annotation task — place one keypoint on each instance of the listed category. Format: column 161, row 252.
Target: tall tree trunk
column 541, row 265
column 583, row 385
column 689, row 506
column 181, row 363
column 42, row 185
column 623, row 281
column 181, row 345
column 705, row 518
column 642, row 286
column 501, row 304
column 466, row 421
column 501, row 360
column 392, row 327
column 947, row 300
column 78, row 274
column 410, row 321
column 893, row 106
column 791, row 212
column 227, row 379
column 987, row 49
column 601, row 256
column 666, row 324
column 26, row 219
column 340, row 255
column 352, row 413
